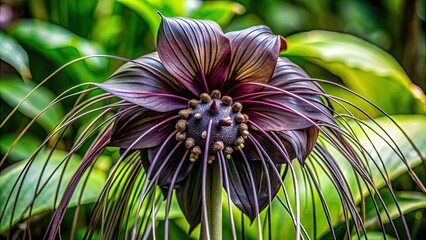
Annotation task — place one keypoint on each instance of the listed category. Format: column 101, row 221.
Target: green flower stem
column 214, row 203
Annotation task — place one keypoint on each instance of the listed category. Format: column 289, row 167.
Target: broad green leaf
column 13, row 90
column 60, row 46
column 15, row 55
column 221, row 12
column 363, row 67
column 50, row 178
column 373, row 236
column 26, row 146
column 408, row 201
column 147, row 10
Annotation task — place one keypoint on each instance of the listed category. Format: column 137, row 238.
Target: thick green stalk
column 214, row 204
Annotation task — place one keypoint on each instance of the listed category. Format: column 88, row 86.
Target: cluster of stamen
column 228, row 125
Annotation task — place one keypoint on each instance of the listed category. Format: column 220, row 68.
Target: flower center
column 228, row 125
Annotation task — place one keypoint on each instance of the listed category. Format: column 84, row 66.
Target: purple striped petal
column 288, row 102
column 299, row 143
column 270, row 147
column 196, row 52
column 189, row 196
column 288, row 76
column 303, row 94
column 254, row 55
column 273, row 116
column 168, row 170
column 133, row 122
column 240, row 186
column 148, row 84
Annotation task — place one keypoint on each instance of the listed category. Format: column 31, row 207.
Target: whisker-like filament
column 226, row 185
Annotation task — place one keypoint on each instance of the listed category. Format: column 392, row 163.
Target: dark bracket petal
column 254, row 56
column 133, row 122
column 196, row 52
column 240, row 187
column 169, row 169
column 300, row 142
column 290, row 77
column 271, row 148
column 148, row 84
column 291, row 102
column 272, row 116
column 189, row 196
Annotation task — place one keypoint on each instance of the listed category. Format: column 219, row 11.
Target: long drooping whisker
column 203, row 184
column 394, row 145
column 414, row 176
column 87, row 161
column 57, row 220
column 23, row 174
column 323, row 201
column 335, row 177
column 80, row 140
column 268, row 184
column 57, row 71
column 287, row 160
column 114, row 213
column 260, row 148
column 169, row 195
column 148, row 225
column 153, row 214
column 297, row 200
column 148, row 184
column 419, row 153
column 368, row 180
column 33, row 120
column 226, row 185
column 254, row 192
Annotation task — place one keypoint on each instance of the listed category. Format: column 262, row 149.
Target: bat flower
column 210, row 98
column 211, row 111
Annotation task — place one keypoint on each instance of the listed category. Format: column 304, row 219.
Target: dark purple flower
column 205, row 97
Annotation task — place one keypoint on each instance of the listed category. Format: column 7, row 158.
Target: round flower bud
column 237, row 107
column 215, row 94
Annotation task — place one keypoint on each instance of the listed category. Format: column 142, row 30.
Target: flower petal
column 273, row 116
column 254, row 54
column 272, row 149
column 196, row 52
column 147, row 83
column 289, row 101
column 134, row 121
column 189, row 196
column 168, row 169
column 299, row 143
column 290, row 77
column 240, row 186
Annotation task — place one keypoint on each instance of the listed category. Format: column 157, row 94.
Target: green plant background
column 375, row 48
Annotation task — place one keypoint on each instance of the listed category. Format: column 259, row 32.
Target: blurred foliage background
column 374, row 47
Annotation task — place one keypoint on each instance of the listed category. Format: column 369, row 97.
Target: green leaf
column 147, row 10
column 61, row 46
column 46, row 196
column 26, row 146
column 373, row 236
column 15, row 55
column 13, row 90
column 363, row 67
column 408, row 202
column 221, row 12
